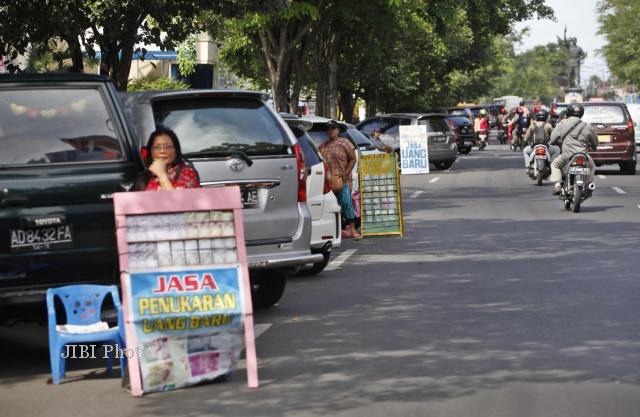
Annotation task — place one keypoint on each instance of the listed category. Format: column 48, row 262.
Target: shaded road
column 497, row 302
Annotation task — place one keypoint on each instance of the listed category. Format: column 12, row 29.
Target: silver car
column 235, row 138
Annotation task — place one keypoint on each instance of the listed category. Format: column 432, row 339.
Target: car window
column 368, row 126
column 311, row 156
column 458, row 112
column 434, row 124
column 223, row 124
column 318, row 134
column 604, row 114
column 50, row 126
column 360, row 139
column 459, row 120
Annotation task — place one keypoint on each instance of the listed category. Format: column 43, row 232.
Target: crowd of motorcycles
column 575, row 188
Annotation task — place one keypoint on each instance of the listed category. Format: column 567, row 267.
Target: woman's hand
column 159, row 168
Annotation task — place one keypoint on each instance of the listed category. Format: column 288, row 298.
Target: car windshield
column 360, row 139
column 459, row 120
column 225, row 124
column 604, row 114
column 458, row 112
column 434, row 124
column 49, row 126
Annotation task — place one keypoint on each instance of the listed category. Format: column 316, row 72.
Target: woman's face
column 163, row 149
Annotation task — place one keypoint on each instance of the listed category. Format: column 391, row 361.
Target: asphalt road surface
column 496, row 302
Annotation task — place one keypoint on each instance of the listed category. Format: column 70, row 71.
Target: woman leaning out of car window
column 166, row 168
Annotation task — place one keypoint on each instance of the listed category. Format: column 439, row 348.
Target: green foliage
column 619, row 24
column 187, row 56
column 156, row 84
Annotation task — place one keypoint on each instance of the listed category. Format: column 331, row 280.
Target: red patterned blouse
column 186, row 178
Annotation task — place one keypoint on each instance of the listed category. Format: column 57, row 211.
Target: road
column 496, row 302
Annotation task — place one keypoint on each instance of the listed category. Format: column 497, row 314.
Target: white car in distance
column 323, row 205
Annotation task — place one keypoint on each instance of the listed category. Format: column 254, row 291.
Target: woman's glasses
column 165, row 147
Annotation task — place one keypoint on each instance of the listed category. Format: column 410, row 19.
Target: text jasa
column 178, row 310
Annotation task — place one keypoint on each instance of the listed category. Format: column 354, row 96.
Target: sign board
column 380, row 196
column 185, row 284
column 414, row 150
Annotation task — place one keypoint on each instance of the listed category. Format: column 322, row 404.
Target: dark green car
column 65, row 149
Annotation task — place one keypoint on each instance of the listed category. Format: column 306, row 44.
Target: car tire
column 628, row 167
column 443, row 165
column 320, row 266
column 267, row 287
column 466, row 151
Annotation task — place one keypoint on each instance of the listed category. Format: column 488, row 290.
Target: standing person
column 574, row 136
column 377, row 141
column 341, row 158
column 166, row 167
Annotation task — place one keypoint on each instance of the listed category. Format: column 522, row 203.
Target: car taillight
column 631, row 127
column 541, row 151
column 327, row 178
column 301, row 172
column 580, row 160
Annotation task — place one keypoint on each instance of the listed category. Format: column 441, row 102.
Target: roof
column 53, row 77
column 151, row 95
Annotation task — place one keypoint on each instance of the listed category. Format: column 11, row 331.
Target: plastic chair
column 83, row 305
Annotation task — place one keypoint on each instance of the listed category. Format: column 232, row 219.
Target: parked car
column 235, row 138
column 323, row 205
column 462, row 129
column 634, row 111
column 616, row 135
column 66, row 148
column 460, row 111
column 443, row 150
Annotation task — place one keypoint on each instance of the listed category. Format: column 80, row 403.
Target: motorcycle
column 520, row 132
column 482, row 140
column 540, row 163
column 575, row 188
column 503, row 129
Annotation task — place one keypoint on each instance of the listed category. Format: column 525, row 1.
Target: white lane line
column 342, row 258
column 618, row 190
column 259, row 329
column 436, row 179
column 416, row 194
column 638, row 205
column 602, row 177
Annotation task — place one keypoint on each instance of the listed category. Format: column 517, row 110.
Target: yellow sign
column 380, row 195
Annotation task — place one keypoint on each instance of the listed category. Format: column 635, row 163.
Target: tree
column 619, row 24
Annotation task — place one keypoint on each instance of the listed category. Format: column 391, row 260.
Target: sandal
column 357, row 237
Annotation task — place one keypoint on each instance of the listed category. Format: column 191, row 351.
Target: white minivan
column 323, row 205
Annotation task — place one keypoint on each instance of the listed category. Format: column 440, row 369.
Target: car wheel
column 466, row 151
column 267, row 287
column 320, row 266
column 628, row 168
column 443, row 165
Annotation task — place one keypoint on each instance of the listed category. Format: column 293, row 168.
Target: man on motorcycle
column 539, row 133
column 574, row 136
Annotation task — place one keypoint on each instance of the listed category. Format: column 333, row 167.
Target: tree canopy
column 619, row 24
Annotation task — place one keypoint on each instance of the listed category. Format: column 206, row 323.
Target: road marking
column 602, row 177
column 638, row 205
column 618, row 190
column 416, row 194
column 433, row 180
column 259, row 329
column 456, row 161
column 342, row 258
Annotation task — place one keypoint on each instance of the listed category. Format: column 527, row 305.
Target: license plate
column 38, row 239
column 439, row 139
column 250, row 199
column 579, row 170
column 604, row 138
column 541, row 157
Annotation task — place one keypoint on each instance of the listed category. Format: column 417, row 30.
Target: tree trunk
column 347, row 105
column 77, row 62
column 333, row 89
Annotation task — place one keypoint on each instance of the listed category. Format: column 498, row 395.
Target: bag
column 336, row 183
column 540, row 135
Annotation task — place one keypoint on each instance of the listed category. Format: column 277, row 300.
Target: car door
column 66, row 150
column 315, row 173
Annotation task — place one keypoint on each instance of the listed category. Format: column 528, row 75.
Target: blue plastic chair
column 83, row 305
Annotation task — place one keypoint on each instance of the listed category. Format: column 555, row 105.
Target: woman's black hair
column 143, row 180
column 161, row 130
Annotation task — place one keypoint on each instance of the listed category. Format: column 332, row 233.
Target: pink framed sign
column 185, row 285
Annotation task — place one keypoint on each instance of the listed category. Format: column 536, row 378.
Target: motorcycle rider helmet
column 575, row 110
column 483, row 112
column 542, row 115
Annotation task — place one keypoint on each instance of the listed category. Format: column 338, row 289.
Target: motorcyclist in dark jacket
column 574, row 136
